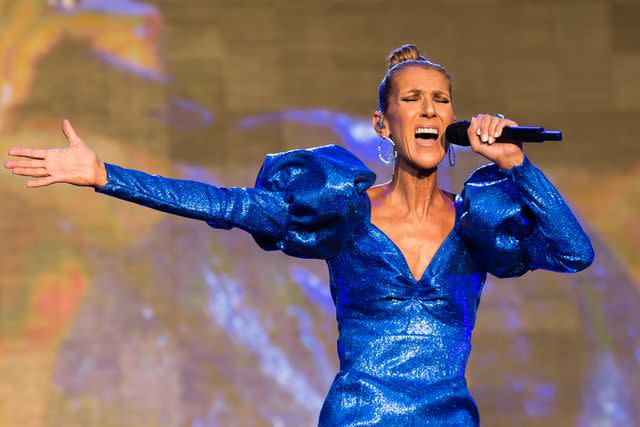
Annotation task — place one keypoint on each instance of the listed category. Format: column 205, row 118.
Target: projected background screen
column 115, row 315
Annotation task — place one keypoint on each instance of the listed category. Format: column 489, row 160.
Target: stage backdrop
column 114, row 315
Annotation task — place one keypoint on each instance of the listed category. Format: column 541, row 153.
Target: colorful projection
column 114, row 315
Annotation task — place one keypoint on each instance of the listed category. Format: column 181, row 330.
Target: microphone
column 456, row 133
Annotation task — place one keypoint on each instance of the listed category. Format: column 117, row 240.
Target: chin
column 426, row 159
column 425, row 162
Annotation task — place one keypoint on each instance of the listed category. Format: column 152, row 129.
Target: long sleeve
column 515, row 221
column 260, row 212
column 305, row 203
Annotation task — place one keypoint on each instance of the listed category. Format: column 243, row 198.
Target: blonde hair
column 398, row 59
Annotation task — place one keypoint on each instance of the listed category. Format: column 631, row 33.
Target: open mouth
column 427, row 133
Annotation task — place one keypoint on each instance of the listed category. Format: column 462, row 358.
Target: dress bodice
column 403, row 343
column 403, row 339
column 373, row 257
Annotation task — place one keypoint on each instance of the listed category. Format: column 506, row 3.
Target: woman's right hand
column 78, row 164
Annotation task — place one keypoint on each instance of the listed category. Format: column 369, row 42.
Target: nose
column 428, row 109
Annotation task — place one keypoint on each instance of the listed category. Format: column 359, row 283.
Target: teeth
column 427, row 130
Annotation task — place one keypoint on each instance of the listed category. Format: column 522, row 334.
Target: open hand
column 78, row 164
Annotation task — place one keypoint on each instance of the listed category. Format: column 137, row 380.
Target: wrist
column 511, row 161
column 101, row 176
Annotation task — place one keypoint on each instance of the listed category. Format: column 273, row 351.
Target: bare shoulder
column 376, row 196
column 375, row 193
column 449, row 195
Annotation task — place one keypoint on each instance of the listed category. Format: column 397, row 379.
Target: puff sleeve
column 515, row 221
column 306, row 203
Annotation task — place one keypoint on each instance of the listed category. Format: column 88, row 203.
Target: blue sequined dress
column 403, row 343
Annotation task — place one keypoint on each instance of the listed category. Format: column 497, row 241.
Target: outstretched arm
column 260, row 212
column 306, row 203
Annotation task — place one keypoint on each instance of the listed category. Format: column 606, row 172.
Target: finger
column 472, row 133
column 36, row 172
column 473, row 127
column 41, row 182
column 504, row 123
column 70, row 133
column 484, row 127
column 27, row 152
column 493, row 125
column 24, row 164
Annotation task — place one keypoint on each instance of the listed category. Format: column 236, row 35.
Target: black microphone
column 456, row 133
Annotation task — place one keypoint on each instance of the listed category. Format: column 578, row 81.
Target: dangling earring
column 388, row 158
column 452, row 155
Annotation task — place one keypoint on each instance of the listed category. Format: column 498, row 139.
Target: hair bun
column 408, row 52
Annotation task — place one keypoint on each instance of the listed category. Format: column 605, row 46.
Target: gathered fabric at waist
column 403, row 352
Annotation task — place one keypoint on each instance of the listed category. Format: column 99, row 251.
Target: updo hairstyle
column 399, row 59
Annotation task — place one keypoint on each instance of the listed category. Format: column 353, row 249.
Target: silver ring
column 500, row 116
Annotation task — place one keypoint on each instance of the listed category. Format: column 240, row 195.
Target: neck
column 416, row 190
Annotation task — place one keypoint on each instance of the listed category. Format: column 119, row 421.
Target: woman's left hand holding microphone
column 483, row 131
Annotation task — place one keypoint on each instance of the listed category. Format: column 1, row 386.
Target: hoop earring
column 451, row 153
column 388, row 157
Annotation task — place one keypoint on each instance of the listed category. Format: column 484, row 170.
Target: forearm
column 252, row 210
column 558, row 241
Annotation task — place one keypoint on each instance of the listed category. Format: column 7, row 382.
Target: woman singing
column 407, row 260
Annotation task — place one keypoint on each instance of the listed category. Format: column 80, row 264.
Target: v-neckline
column 399, row 251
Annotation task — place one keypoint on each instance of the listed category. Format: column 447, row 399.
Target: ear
column 378, row 122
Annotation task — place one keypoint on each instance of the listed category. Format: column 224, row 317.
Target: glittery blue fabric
column 403, row 343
